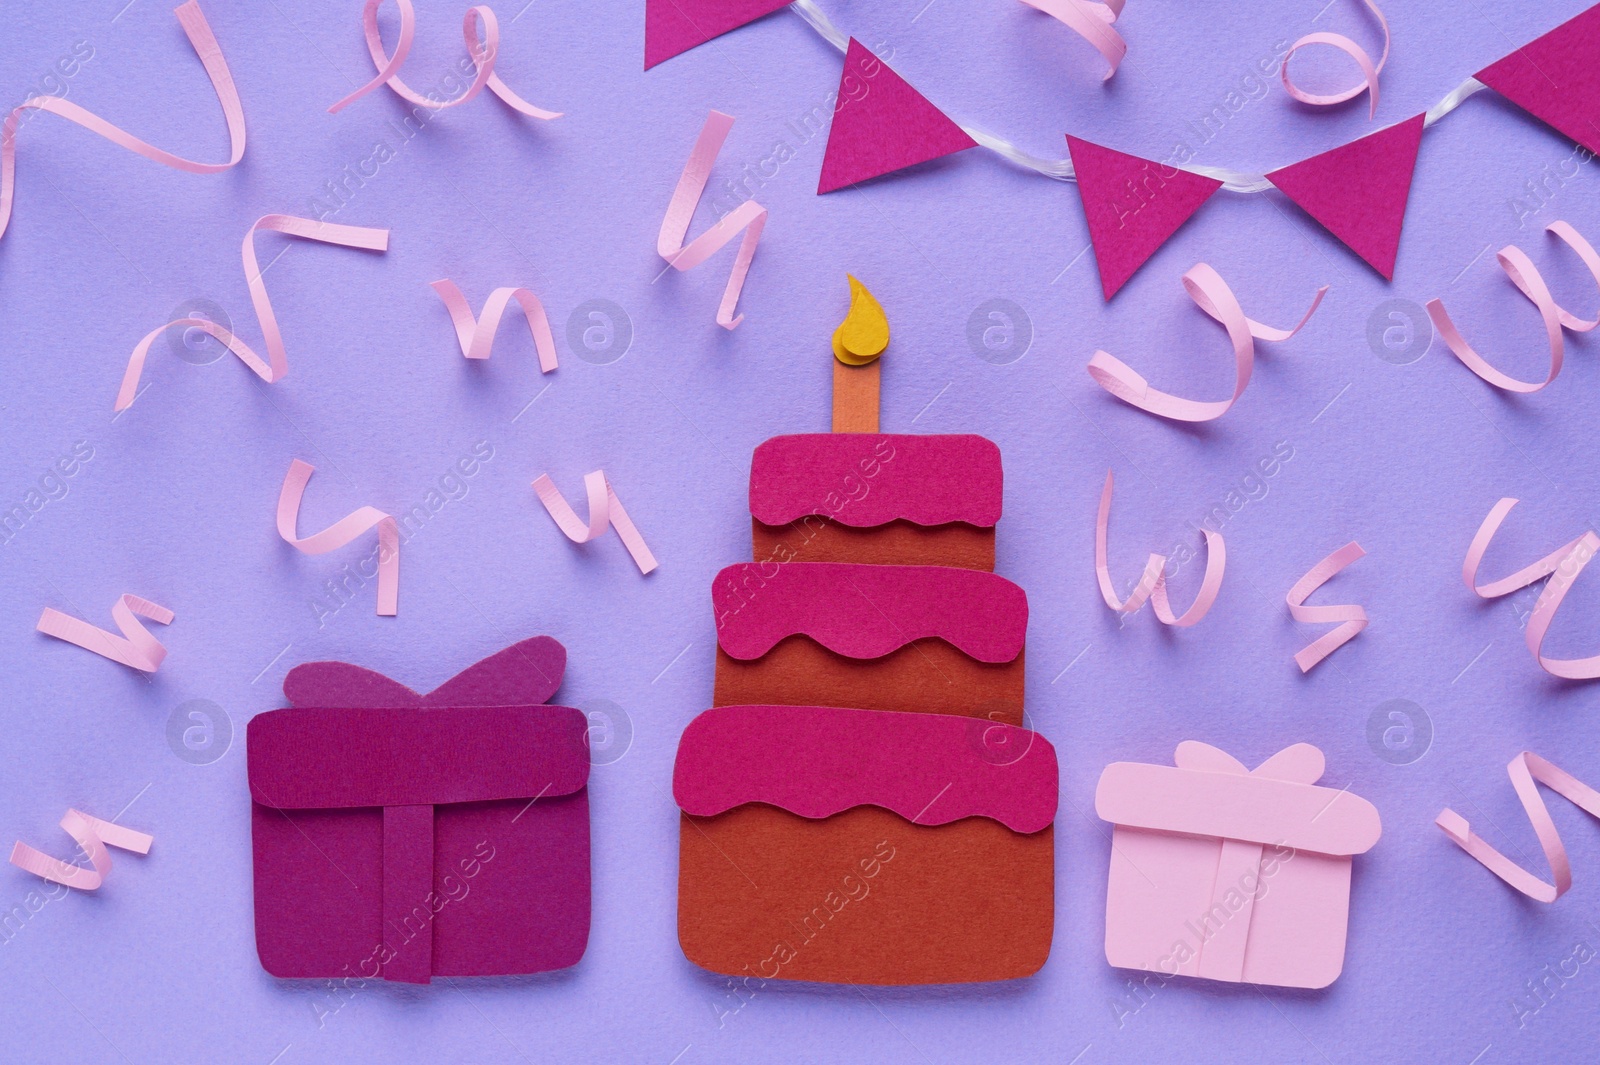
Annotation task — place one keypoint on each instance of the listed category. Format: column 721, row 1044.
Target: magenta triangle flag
column 881, row 124
column 1358, row 191
column 1133, row 205
column 672, row 27
column 1557, row 78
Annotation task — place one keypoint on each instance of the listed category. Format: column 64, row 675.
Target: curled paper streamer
column 278, row 367
column 749, row 217
column 210, row 53
column 476, row 335
column 1153, row 584
column 1352, row 618
column 342, row 532
column 1520, row 269
column 1527, row 771
column 1562, row 566
column 135, row 647
column 1213, row 296
column 483, row 57
column 1369, row 69
column 605, row 509
column 1091, row 21
column 94, row 836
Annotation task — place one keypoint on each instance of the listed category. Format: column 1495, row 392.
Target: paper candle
column 857, row 344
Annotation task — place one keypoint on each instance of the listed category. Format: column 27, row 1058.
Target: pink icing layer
column 869, row 479
column 863, row 611
column 816, row 761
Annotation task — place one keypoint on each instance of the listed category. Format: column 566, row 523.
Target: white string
column 1061, row 169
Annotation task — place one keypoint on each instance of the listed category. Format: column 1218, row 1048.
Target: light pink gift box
column 1228, row 874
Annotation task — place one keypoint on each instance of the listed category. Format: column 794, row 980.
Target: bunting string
column 1241, row 181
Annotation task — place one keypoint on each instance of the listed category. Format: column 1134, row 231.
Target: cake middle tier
column 920, row 639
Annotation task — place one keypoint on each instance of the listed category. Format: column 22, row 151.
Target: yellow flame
column 864, row 333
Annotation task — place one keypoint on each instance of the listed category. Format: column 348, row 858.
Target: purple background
column 176, row 503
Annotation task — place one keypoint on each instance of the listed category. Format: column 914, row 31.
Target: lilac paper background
column 176, row 504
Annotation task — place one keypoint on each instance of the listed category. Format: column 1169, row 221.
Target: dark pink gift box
column 402, row 836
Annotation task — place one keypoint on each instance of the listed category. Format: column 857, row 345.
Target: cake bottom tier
column 924, row 677
column 864, row 897
column 897, row 543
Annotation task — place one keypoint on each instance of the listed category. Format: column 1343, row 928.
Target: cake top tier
column 870, row 479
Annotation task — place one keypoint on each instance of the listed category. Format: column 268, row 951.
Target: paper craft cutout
column 1091, row 21
column 605, row 511
column 341, row 533
column 278, row 367
column 525, row 674
column 864, row 333
column 920, row 766
column 205, row 45
column 1520, row 269
column 866, row 611
column 1359, row 190
column 93, row 836
column 1554, row 78
column 857, row 344
column 1527, row 771
column 887, row 127
column 476, row 334
column 1229, row 874
column 483, row 57
column 1153, row 583
column 672, row 27
column 1369, row 69
column 135, row 648
column 749, row 218
column 1352, row 619
column 443, row 834
column 875, row 479
column 1213, row 296
column 846, row 688
column 926, row 676
column 928, row 883
column 1562, row 566
column 1132, row 206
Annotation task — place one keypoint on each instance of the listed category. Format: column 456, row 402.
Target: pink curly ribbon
column 483, row 57
column 135, row 647
column 278, row 368
column 342, row 532
column 476, row 335
column 1092, row 22
column 1153, row 584
column 749, row 217
column 605, row 509
column 1369, row 69
column 1353, row 618
column 94, row 836
column 1527, row 771
column 1520, row 269
column 210, row 53
column 1213, row 296
column 1562, row 566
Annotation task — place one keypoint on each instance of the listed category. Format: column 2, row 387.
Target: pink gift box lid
column 868, row 479
column 816, row 761
column 866, row 611
column 1208, row 793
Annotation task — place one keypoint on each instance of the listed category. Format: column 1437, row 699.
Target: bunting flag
column 881, row 124
column 1358, row 191
column 1556, row 78
column 672, row 27
column 1132, row 205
